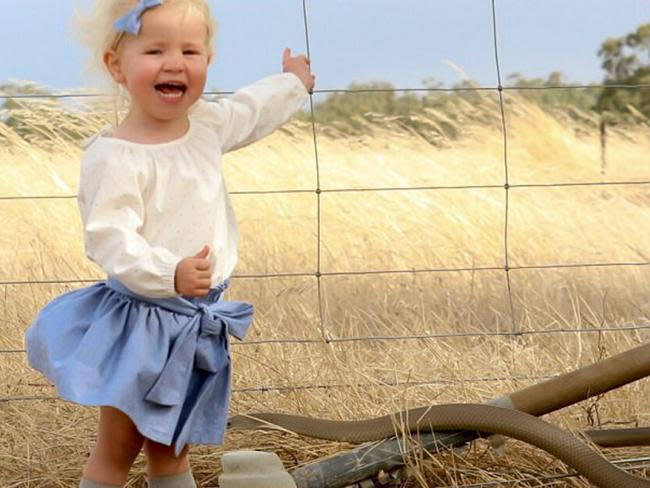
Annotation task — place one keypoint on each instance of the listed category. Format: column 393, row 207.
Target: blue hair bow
column 131, row 21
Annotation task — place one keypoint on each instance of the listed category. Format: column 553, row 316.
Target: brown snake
column 473, row 417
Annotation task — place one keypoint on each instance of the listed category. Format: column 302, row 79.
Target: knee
column 161, row 460
column 122, row 452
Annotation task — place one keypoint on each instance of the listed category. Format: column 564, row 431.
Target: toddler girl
column 149, row 345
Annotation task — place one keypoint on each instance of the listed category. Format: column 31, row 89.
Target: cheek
column 199, row 74
column 143, row 75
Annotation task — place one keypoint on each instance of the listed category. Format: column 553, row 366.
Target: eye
column 191, row 52
column 154, row 51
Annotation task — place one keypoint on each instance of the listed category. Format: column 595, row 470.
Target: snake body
column 475, row 417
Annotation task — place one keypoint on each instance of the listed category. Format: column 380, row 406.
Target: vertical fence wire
column 319, row 284
column 506, row 184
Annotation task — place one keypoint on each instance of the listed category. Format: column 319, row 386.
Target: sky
column 400, row 41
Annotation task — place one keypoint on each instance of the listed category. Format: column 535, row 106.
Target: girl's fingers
column 288, row 58
column 201, row 274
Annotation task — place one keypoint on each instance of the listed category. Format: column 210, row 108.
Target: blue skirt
column 164, row 362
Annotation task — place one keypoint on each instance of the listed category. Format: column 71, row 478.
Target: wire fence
column 318, row 273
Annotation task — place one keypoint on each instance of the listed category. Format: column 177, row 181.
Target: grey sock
column 93, row 484
column 181, row 480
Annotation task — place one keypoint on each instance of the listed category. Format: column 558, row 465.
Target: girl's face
column 164, row 67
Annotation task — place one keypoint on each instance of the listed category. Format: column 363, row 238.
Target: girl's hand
column 193, row 274
column 299, row 66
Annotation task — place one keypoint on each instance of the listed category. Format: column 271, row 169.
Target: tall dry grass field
column 44, row 441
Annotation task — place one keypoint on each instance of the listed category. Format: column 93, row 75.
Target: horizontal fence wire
column 617, row 86
column 452, row 335
column 322, row 274
column 326, row 386
column 384, row 189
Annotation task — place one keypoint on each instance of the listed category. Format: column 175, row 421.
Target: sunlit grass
column 462, row 230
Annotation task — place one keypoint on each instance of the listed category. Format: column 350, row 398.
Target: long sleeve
column 112, row 210
column 256, row 110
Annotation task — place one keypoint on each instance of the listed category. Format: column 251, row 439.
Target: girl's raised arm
column 256, row 110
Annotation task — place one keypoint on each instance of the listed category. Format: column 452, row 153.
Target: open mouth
column 171, row 90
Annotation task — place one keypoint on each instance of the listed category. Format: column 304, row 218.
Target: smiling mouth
column 171, row 90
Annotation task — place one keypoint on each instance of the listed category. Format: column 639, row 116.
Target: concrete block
column 253, row 469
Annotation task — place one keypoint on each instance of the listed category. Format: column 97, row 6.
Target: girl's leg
column 161, row 460
column 118, row 444
column 165, row 470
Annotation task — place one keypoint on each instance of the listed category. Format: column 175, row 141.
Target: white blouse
column 147, row 206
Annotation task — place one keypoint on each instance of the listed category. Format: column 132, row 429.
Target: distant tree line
column 625, row 60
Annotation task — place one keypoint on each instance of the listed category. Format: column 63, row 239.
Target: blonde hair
column 95, row 29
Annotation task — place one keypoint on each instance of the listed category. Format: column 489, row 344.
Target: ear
column 112, row 62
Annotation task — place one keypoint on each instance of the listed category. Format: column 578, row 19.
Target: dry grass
column 44, row 443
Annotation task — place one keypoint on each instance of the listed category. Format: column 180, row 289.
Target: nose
column 173, row 61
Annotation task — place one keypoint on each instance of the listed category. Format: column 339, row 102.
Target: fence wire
column 321, row 386
column 637, row 86
column 319, row 273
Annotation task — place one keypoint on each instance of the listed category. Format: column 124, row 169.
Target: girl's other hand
column 193, row 274
column 299, row 66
